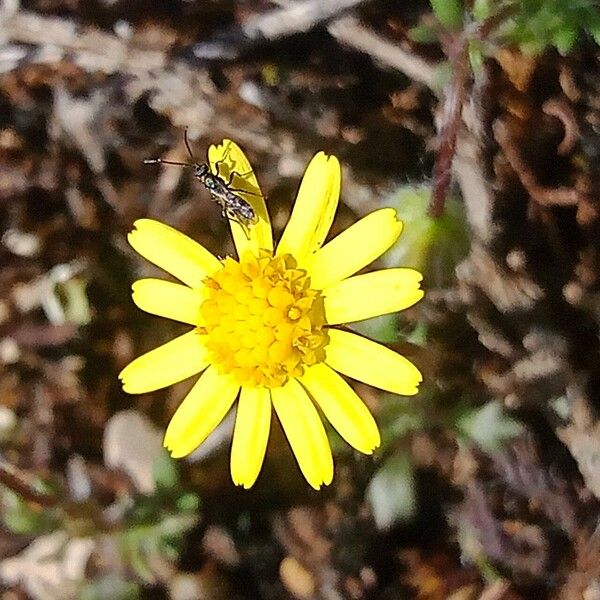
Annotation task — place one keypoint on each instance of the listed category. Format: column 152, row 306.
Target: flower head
column 264, row 326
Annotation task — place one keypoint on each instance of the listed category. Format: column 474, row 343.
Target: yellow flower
column 264, row 325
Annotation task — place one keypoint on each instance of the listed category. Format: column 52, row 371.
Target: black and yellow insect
column 233, row 206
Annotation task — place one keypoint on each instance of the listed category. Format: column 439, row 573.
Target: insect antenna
column 186, row 141
column 160, row 161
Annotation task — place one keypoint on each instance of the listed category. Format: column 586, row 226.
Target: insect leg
column 240, row 175
column 218, row 168
column 232, row 216
column 226, row 153
column 244, row 192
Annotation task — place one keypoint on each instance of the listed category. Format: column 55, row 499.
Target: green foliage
column 165, row 471
column 155, row 525
column 423, row 34
column 147, row 544
column 152, row 537
column 399, row 418
column 490, row 426
column 537, row 24
column 482, row 9
column 448, row 12
column 532, row 25
column 26, row 518
column 476, row 56
column 73, row 294
column 148, row 536
column 391, row 492
column 189, row 502
column 432, row 246
column 381, row 329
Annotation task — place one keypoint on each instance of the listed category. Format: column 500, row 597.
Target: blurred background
column 479, row 122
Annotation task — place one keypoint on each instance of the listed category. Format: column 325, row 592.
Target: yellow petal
column 342, row 407
column 173, row 251
column 354, row 248
column 305, row 432
column 167, row 299
column 250, row 436
column 170, row 363
column 314, row 208
column 228, row 161
column 371, row 363
column 200, row 412
column 370, row 295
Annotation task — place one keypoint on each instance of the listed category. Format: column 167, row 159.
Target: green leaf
column 423, row 34
column 391, row 492
column 448, row 12
column 537, row 24
column 419, row 335
column 400, row 425
column 165, row 471
column 594, row 31
column 482, row 9
column 76, row 306
column 188, row 502
column 490, row 426
column 432, row 246
column 476, row 56
column 381, row 329
column 133, row 544
column 23, row 522
column 565, row 39
column 23, row 518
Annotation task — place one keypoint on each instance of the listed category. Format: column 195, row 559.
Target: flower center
column 261, row 321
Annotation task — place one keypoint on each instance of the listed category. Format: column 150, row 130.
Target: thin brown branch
column 18, row 483
column 483, row 30
column 545, row 196
column 451, row 122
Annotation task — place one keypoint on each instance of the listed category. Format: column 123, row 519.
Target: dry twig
column 291, row 18
column 350, row 32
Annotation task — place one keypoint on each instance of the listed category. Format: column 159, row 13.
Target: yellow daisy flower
column 264, row 325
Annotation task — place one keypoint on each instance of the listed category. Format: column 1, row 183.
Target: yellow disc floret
column 261, row 321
